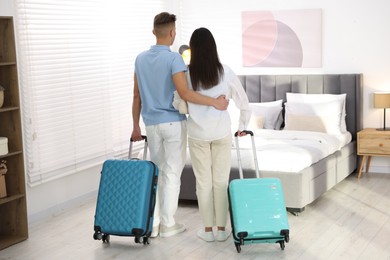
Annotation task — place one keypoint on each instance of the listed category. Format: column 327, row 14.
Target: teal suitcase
column 257, row 209
column 126, row 199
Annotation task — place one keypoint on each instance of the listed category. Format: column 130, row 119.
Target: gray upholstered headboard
column 265, row 88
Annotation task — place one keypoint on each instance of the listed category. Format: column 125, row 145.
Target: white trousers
column 167, row 144
column 211, row 162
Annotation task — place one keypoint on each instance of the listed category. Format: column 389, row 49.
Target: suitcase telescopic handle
column 145, row 147
column 239, row 155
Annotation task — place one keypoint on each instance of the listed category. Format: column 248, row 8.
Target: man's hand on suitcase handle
column 135, row 138
column 243, row 133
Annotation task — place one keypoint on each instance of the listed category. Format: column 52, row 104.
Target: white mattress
column 284, row 150
column 288, row 151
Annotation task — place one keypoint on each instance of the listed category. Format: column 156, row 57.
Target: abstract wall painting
column 287, row 38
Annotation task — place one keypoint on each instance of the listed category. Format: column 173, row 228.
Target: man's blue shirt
column 154, row 69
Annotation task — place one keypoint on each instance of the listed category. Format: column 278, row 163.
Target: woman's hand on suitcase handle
column 243, row 133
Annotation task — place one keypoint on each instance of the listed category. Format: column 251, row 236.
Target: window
column 76, row 64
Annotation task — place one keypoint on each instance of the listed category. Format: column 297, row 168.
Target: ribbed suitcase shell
column 126, row 198
column 258, row 210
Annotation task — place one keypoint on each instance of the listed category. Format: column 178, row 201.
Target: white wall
column 355, row 40
column 7, row 7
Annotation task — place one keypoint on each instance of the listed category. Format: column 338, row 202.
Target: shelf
column 7, row 63
column 6, row 240
column 10, row 154
column 13, row 208
column 11, row 198
column 6, row 109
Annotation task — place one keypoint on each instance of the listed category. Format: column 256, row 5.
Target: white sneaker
column 155, row 231
column 222, row 235
column 206, row 236
column 171, row 231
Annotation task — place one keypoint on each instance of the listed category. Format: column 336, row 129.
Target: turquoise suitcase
column 126, row 199
column 257, row 209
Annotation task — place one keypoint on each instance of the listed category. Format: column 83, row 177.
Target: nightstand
column 372, row 142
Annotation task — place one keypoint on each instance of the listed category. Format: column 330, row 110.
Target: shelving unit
column 13, row 210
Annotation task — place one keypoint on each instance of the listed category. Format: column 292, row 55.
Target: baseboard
column 378, row 169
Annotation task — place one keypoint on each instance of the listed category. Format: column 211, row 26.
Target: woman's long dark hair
column 205, row 68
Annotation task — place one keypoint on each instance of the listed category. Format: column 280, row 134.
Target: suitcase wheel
column 281, row 245
column 142, row 240
column 286, row 234
column 138, row 240
column 106, row 238
column 146, row 240
column 97, row 235
column 238, row 247
column 101, row 236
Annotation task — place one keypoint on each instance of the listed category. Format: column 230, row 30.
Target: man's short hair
column 163, row 19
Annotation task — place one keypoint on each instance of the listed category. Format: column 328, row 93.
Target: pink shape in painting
column 268, row 42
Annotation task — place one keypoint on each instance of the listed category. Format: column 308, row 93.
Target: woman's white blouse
column 207, row 123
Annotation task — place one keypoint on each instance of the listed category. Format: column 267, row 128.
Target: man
column 158, row 73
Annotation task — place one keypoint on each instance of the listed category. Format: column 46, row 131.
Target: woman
column 209, row 132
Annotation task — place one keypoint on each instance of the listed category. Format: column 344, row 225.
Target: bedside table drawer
column 374, row 145
column 372, row 142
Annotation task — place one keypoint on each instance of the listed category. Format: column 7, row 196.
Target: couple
column 205, row 86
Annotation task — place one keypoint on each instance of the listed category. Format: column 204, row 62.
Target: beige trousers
column 211, row 162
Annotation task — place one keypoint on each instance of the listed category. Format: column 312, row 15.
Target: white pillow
column 269, row 112
column 264, row 115
column 307, row 123
column 321, row 98
column 326, row 115
column 256, row 122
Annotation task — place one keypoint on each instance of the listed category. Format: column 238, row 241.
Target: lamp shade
column 382, row 99
column 185, row 52
column 183, row 48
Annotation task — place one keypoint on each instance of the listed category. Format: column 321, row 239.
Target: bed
column 303, row 186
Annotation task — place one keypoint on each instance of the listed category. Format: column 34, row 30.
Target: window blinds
column 76, row 65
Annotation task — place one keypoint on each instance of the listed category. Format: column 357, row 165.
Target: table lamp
column 382, row 100
column 185, row 52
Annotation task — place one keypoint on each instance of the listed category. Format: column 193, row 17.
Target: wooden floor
column 351, row 221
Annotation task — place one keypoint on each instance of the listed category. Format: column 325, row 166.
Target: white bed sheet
column 290, row 151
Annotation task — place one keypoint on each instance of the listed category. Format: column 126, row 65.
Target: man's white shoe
column 171, row 231
column 155, row 231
